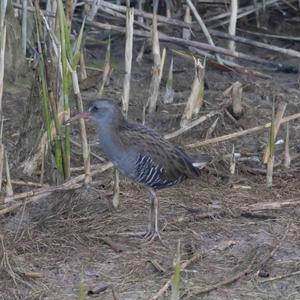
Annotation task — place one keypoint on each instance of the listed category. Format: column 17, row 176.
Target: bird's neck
column 109, row 135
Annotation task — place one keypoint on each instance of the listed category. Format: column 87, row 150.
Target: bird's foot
column 151, row 235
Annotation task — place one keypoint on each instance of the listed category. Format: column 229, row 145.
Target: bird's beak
column 82, row 115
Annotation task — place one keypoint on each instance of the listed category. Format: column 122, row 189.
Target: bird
column 141, row 154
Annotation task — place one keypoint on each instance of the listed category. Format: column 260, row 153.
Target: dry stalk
column 154, row 86
column 287, row 156
column 234, row 135
column 232, row 161
column 9, row 189
column 32, row 163
column 169, row 93
column 195, row 100
column 126, row 91
column 277, row 122
column 1, row 164
column 232, row 23
column 24, row 26
column 2, row 49
column 72, row 183
column 186, row 32
column 191, row 124
column 82, row 130
column 107, row 69
column 236, row 94
column 204, row 46
column 270, row 158
column 140, row 55
column 271, row 205
column 211, row 129
column 162, row 64
column 203, row 27
column 83, row 74
column 116, row 191
column 243, row 40
column 128, row 58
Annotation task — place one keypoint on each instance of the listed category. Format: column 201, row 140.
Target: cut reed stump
column 195, row 100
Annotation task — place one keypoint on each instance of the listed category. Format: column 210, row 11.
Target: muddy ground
column 53, row 247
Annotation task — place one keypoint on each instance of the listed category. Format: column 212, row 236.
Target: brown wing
column 158, row 163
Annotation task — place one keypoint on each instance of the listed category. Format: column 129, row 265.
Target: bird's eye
column 93, row 109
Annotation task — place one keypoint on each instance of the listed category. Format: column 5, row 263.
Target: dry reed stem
column 232, row 23
column 140, row 55
column 271, row 148
column 154, row 85
column 270, row 168
column 24, row 26
column 183, row 266
column 128, row 58
column 186, row 32
column 211, row 129
column 195, row 100
column 229, row 64
column 72, row 183
column 271, row 205
column 106, row 70
column 234, row 135
column 191, row 125
column 236, row 94
column 162, row 64
column 1, row 164
column 278, row 120
column 8, row 189
column 82, row 130
column 203, row 46
column 83, row 74
column 116, row 191
column 232, row 162
column 242, row 12
column 169, row 93
column 2, row 57
column 287, row 156
column 203, row 27
column 243, row 40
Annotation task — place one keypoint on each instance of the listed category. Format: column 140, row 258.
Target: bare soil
column 56, row 245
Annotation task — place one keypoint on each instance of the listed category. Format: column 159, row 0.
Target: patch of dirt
column 56, row 245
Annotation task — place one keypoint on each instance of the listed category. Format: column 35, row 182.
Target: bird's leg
column 150, row 227
column 154, row 218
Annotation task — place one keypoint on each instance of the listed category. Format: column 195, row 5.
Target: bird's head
column 101, row 111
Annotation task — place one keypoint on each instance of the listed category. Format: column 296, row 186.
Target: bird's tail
column 200, row 160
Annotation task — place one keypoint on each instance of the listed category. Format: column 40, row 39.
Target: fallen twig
column 271, row 205
column 281, row 277
column 113, row 245
column 191, row 125
column 230, row 136
column 243, row 40
column 227, row 281
column 75, row 182
column 200, row 45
